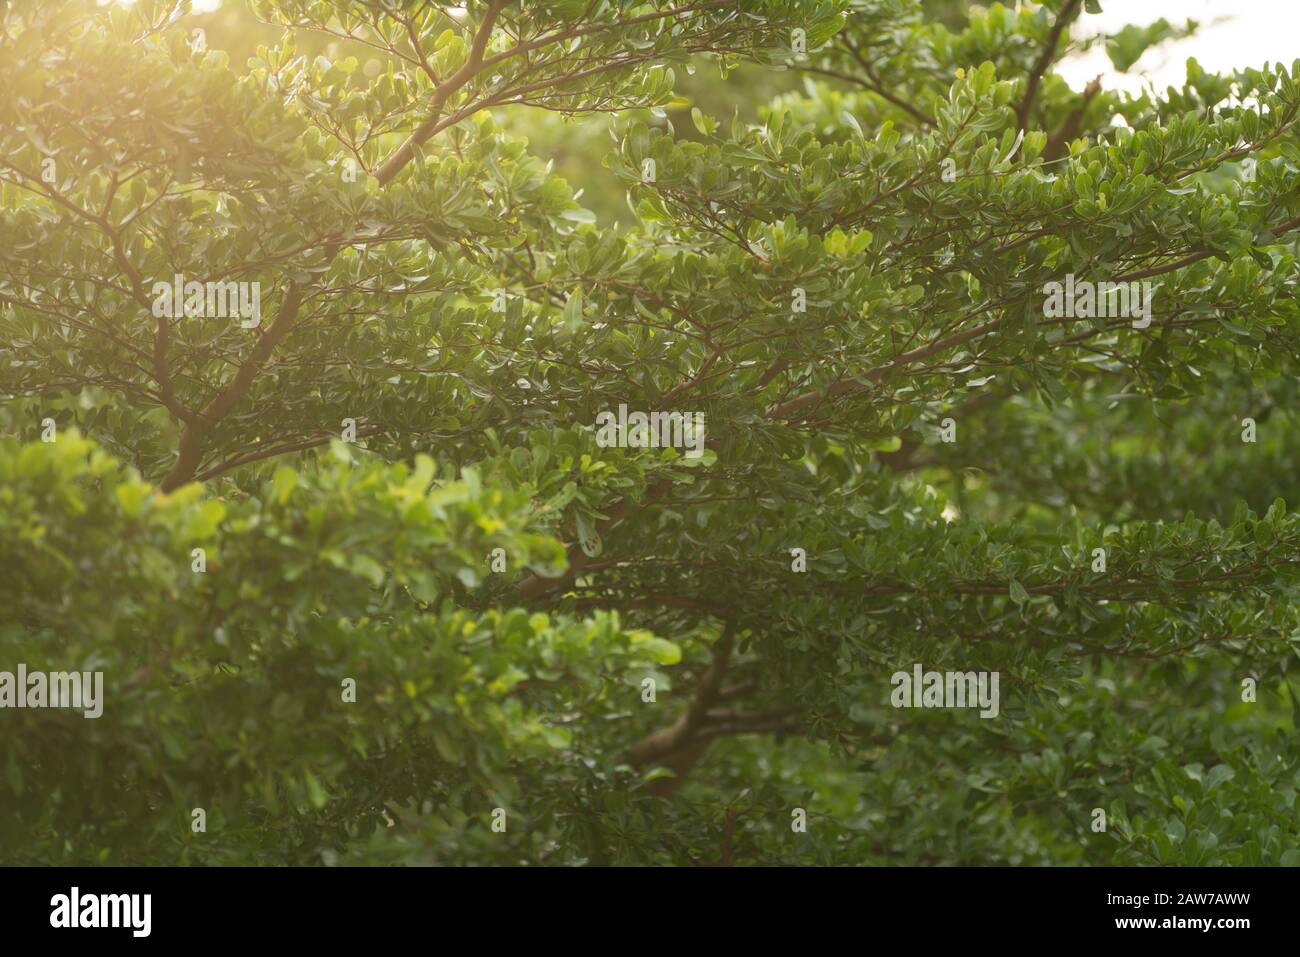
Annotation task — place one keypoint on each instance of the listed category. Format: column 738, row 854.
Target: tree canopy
column 366, row 580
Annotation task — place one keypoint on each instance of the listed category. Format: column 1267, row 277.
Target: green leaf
column 1217, row 775
column 659, row 650
column 573, row 318
column 315, row 793
column 705, row 124
column 588, row 538
column 131, row 496
column 283, row 483
column 1018, row 593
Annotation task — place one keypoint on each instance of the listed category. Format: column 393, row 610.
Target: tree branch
column 191, row 445
column 1068, row 12
column 535, row 586
column 393, row 165
column 675, row 736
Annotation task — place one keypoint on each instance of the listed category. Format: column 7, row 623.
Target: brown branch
column 880, row 91
column 736, row 730
column 847, row 387
column 192, row 437
column 1068, row 12
column 535, row 586
column 1163, row 268
column 1069, row 130
column 560, row 36
column 736, row 690
column 477, row 63
column 681, row 744
column 876, row 85
column 728, row 856
column 678, row 736
column 468, row 70
column 844, row 388
column 160, row 373
column 737, row 718
column 272, row 451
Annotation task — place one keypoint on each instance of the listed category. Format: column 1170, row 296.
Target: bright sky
column 1233, row 34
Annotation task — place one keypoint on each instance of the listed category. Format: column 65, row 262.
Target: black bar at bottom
column 332, row 906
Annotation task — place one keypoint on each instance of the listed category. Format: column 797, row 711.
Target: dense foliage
column 365, row 581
